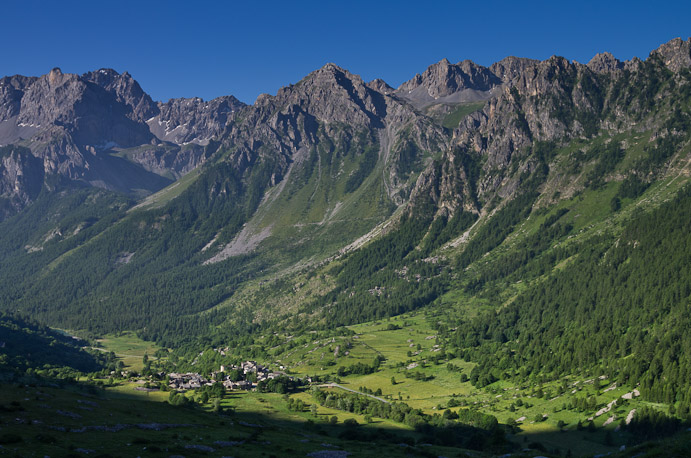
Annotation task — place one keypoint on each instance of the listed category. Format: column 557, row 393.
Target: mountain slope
column 27, row 345
column 332, row 163
column 577, row 261
column 100, row 129
column 339, row 157
column 528, row 229
column 309, row 170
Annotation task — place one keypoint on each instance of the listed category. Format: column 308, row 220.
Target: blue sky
column 207, row 49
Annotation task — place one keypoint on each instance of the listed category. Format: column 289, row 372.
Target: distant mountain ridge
column 324, row 168
column 74, row 124
column 465, row 81
column 530, row 218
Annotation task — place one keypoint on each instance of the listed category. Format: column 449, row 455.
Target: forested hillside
column 615, row 307
column 27, row 345
column 482, row 247
column 368, row 198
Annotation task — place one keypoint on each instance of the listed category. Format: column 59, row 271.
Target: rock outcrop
column 102, row 129
column 127, row 91
column 675, row 54
column 21, row 179
column 605, row 63
column 444, row 82
column 183, row 121
column 550, row 101
column 331, row 105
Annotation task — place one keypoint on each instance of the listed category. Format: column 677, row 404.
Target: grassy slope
column 372, row 339
column 31, row 415
column 316, row 356
column 312, row 217
column 453, row 119
column 590, row 214
column 129, row 348
column 588, row 211
column 165, row 195
column 37, row 420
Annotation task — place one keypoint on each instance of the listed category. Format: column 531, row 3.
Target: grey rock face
column 11, row 93
column 72, row 124
column 511, row 67
column 278, row 127
column 90, row 114
column 21, row 179
column 605, row 63
column 527, row 110
column 329, row 105
column 332, row 94
column 178, row 121
column 127, row 91
column 675, row 54
column 553, row 100
column 182, row 121
column 525, row 102
column 165, row 160
column 380, row 85
column 444, row 82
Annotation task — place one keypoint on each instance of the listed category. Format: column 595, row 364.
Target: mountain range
column 100, row 129
column 536, row 212
column 317, row 170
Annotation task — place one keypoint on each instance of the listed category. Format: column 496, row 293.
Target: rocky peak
column 333, row 94
column 126, row 90
column 545, row 76
column 66, row 119
column 380, row 85
column 192, row 120
column 510, row 67
column 559, row 63
column 11, row 93
column 604, row 63
column 71, row 123
column 444, row 82
column 51, row 98
column 675, row 54
column 19, row 82
column 443, row 78
column 633, row 65
column 528, row 111
column 55, row 76
column 476, row 76
column 331, row 75
column 329, row 68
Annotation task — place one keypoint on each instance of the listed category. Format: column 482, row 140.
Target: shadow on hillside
column 573, row 442
column 197, row 426
column 121, row 414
